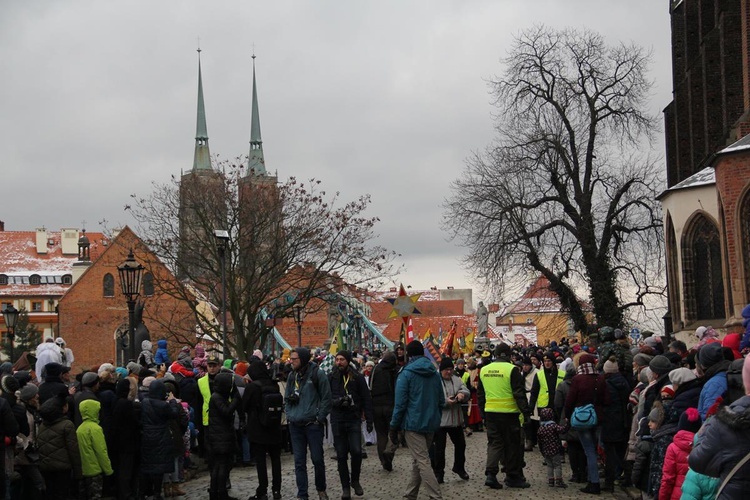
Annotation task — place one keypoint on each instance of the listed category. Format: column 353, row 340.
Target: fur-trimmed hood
column 737, row 415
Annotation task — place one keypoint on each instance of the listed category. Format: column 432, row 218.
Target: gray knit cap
column 660, row 365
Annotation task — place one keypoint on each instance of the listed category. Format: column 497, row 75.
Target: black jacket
column 221, row 435
column 352, row 384
column 616, row 418
column 50, row 388
column 383, row 382
column 251, row 403
column 126, row 421
column 156, row 440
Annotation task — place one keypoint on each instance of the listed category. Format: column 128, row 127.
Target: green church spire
column 256, row 164
column 202, row 158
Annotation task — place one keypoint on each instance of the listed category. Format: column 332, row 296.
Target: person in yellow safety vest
column 205, row 389
column 545, row 384
column 502, row 398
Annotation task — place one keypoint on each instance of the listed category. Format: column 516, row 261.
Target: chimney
column 41, row 240
column 69, row 241
column 2, row 225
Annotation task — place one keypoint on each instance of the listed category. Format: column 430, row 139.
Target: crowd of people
column 670, row 421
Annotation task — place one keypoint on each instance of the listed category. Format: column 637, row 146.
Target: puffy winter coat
column 57, row 441
column 640, row 476
column 724, row 441
column 699, row 486
column 221, row 408
column 616, row 418
column 676, row 465
column 126, row 420
column 685, row 397
column 715, row 386
column 251, row 403
column 146, row 357
column 383, row 382
column 156, row 440
column 162, row 356
column 419, row 397
column 662, row 439
column 91, row 444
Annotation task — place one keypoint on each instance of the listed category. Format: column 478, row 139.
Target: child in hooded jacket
column 675, row 466
column 93, row 448
column 550, row 444
column 162, row 356
column 146, row 357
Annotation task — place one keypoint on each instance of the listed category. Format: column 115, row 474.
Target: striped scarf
column 586, row 369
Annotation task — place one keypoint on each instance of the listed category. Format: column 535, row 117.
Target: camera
column 344, row 401
column 293, row 398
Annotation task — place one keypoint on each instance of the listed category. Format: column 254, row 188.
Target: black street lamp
column 358, row 329
column 10, row 314
column 222, row 241
column 299, row 318
column 131, row 273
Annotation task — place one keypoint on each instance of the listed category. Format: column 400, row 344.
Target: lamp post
column 222, row 241
column 10, row 314
column 299, row 318
column 131, row 273
column 358, row 327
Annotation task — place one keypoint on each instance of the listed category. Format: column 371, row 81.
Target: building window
column 3, row 279
column 673, row 275
column 36, row 306
column 745, row 249
column 109, row 285
column 67, row 279
column 702, row 273
column 35, row 279
column 5, row 305
column 148, row 284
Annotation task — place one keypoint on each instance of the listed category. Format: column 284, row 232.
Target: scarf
column 586, row 369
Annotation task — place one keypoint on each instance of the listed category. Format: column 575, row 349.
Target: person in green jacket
column 94, row 458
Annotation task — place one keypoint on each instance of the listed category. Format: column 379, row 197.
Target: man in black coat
column 53, row 384
column 350, row 400
column 264, row 439
column 383, row 393
column 224, row 402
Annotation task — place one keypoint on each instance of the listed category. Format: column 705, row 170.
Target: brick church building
column 706, row 206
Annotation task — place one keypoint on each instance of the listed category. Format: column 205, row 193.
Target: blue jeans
column 347, row 439
column 589, row 441
column 304, row 435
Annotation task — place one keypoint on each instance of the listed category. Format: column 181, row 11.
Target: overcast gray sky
column 98, row 99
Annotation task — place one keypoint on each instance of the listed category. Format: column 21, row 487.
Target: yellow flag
column 427, row 334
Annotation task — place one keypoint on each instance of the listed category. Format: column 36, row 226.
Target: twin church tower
column 205, row 193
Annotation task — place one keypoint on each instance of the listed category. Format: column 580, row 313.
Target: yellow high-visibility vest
column 206, row 393
column 498, row 393
column 543, row 399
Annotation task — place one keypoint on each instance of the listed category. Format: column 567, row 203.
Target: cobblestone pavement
column 381, row 485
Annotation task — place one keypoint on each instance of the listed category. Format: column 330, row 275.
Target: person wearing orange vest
column 502, row 398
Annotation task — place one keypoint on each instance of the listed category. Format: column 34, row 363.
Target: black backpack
column 271, row 405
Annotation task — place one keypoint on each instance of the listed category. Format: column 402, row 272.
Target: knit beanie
column 446, row 363
column 414, row 348
column 200, row 351
column 681, row 376
column 655, row 415
column 89, row 379
column 134, row 367
column 304, row 355
column 527, row 360
column 105, row 367
column 690, row 421
column 28, row 392
column 642, row 359
column 587, row 358
column 710, row 354
column 258, row 354
column 347, row 355
column 10, row 384
column 667, row 393
column 184, row 353
column 700, row 331
column 611, row 366
column 660, row 365
column 148, row 380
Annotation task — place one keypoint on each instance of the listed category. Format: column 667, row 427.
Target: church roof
column 538, row 298
column 705, row 177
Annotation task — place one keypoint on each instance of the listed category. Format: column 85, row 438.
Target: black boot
column 592, row 488
column 492, row 482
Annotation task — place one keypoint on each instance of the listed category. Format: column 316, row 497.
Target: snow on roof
column 705, row 177
column 426, row 295
column 741, row 145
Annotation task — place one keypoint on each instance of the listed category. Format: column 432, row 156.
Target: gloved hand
column 369, row 427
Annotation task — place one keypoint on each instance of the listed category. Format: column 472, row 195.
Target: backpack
column 271, row 405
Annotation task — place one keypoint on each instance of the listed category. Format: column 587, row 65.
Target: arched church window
column 702, row 273
column 673, row 273
column 148, row 284
column 108, row 285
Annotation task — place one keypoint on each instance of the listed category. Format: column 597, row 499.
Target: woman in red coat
column 676, row 460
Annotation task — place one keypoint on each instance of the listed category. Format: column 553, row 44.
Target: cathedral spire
column 256, row 164
column 202, row 158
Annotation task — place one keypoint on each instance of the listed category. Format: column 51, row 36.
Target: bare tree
column 289, row 244
column 568, row 188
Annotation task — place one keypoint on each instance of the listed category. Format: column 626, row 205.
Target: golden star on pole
column 404, row 305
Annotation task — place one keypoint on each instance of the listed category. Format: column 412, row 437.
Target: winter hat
column 148, row 381
column 23, row 377
column 347, row 355
column 587, row 358
column 645, row 375
column 710, row 354
column 258, row 354
column 673, row 358
column 134, row 367
column 184, row 353
column 642, row 359
column 655, row 415
column 460, row 361
column 146, row 345
column 89, row 379
column 121, row 372
column 9, row 384
column 576, row 348
column 28, row 392
column 546, row 414
column 200, row 351
column 54, row 369
column 681, row 376
column 619, row 334
column 611, row 366
column 59, row 341
column 526, row 360
column 700, row 331
column 652, row 342
column 660, row 364
column 304, row 355
column 105, row 367
column 241, row 368
column 446, row 363
column 746, row 374
column 414, row 348
column 690, row 421
column 667, row 392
